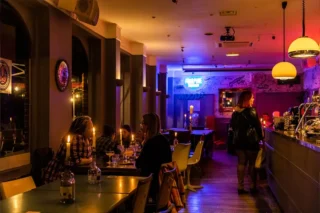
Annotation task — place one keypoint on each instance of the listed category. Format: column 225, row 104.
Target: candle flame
column 68, row 140
column 175, row 134
column 94, row 130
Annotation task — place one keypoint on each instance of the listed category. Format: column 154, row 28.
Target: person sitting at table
column 80, row 132
column 155, row 152
column 107, row 141
column 126, row 135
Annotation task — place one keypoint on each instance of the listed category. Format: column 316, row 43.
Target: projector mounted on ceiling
column 228, row 36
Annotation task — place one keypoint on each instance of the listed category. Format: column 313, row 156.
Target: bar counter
column 293, row 168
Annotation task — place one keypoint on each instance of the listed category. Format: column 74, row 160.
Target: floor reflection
column 219, row 194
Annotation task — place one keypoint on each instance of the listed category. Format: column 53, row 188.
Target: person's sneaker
column 242, row 191
column 254, row 190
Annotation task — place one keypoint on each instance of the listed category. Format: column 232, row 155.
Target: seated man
column 106, row 142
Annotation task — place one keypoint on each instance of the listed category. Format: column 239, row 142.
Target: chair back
column 197, row 153
column 14, row 187
column 165, row 190
column 180, row 156
column 141, row 196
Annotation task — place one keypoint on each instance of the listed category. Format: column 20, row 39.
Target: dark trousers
column 244, row 157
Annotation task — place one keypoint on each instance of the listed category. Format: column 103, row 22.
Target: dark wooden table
column 104, row 197
column 109, row 184
column 107, row 169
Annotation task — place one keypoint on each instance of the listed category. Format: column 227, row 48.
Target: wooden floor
column 220, row 190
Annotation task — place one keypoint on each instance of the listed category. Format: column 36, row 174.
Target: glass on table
column 115, row 159
column 109, row 154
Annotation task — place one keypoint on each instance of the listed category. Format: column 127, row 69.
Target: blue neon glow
column 193, row 82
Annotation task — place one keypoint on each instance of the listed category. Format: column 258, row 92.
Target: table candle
column 190, row 117
column 68, row 148
column 191, row 109
column 120, row 136
column 93, row 137
column 132, row 137
column 175, row 134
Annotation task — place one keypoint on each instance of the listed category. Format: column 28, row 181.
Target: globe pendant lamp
column 284, row 70
column 303, row 47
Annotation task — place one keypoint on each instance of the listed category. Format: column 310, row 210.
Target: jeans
column 244, row 157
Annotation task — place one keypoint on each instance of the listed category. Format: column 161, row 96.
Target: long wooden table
column 107, row 169
column 104, row 197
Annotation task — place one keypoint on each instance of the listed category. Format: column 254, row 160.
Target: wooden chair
column 165, row 192
column 141, row 196
column 14, row 187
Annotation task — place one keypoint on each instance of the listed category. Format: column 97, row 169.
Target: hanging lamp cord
column 284, row 5
column 303, row 17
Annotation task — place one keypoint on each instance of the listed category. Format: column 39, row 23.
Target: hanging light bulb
column 284, row 70
column 303, row 47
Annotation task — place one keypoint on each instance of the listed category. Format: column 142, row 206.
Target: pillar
column 50, row 109
column 110, row 72
column 162, row 85
column 138, row 81
column 151, row 83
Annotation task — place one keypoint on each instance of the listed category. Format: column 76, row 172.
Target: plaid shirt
column 79, row 148
column 105, row 144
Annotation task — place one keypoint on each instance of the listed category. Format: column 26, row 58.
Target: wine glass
column 109, row 154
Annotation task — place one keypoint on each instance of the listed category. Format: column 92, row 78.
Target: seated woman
column 80, row 148
column 126, row 135
column 155, row 152
column 106, row 142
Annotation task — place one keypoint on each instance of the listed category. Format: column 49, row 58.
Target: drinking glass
column 109, row 154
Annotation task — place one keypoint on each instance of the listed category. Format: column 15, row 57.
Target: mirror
column 228, row 98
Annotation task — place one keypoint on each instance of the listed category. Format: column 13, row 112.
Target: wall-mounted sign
column 194, row 82
column 62, row 75
column 5, row 76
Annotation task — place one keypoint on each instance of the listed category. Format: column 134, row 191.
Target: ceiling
column 185, row 23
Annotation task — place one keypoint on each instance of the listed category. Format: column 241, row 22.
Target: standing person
column 155, row 152
column 247, row 135
column 80, row 133
column 126, row 135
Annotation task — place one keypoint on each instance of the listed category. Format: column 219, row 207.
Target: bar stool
column 192, row 161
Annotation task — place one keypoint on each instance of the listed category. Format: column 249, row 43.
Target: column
column 110, row 73
column 162, row 85
column 50, row 108
column 151, row 83
column 138, row 64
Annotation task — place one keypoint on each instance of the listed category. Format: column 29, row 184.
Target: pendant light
column 284, row 70
column 303, row 47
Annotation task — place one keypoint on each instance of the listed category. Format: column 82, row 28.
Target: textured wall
column 312, row 78
column 259, row 82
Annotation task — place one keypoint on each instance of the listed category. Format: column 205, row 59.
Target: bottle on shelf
column 67, row 185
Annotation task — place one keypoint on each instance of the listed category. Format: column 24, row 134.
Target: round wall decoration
column 62, row 75
column 5, row 77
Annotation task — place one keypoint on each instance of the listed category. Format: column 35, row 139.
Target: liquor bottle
column 94, row 173
column 67, row 185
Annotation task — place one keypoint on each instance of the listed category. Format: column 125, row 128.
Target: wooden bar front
column 293, row 171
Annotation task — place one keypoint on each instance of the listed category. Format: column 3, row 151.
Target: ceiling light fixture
column 284, row 70
column 232, row 54
column 303, row 47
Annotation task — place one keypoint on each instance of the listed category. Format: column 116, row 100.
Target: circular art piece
column 62, row 75
column 4, row 75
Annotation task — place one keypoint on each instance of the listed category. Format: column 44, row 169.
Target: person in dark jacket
column 245, row 118
column 155, row 152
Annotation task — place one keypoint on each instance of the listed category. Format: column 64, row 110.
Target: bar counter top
column 309, row 142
